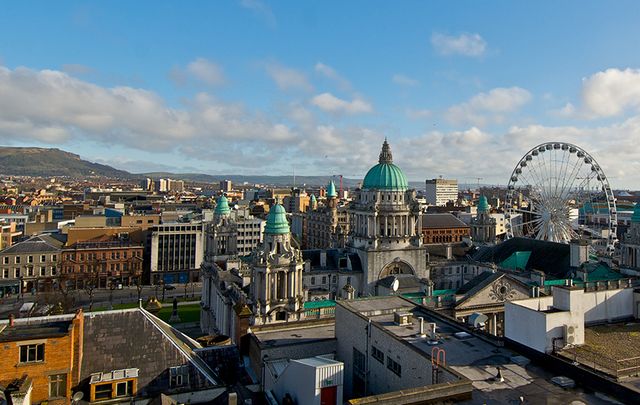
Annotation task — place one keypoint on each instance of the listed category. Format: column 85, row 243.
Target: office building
column 440, row 191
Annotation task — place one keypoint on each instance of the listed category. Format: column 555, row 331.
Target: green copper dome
column 222, row 206
column 331, row 189
column 313, row 199
column 483, row 204
column 277, row 223
column 385, row 175
column 636, row 213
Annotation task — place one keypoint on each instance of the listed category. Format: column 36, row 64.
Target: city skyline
column 253, row 87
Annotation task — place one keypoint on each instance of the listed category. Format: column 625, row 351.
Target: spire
column 385, row 154
column 222, row 206
column 483, row 204
column 331, row 190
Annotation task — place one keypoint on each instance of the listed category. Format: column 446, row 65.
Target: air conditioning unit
column 570, row 334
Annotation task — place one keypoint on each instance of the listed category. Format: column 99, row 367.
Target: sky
column 460, row 89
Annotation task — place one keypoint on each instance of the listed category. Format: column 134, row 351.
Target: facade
column 102, row 262
column 177, row 251
column 630, row 244
column 226, row 186
column 250, row 232
column 221, row 233
column 443, row 228
column 298, row 201
column 9, row 233
column 276, row 273
column 35, row 262
column 327, row 226
column 48, row 354
column 440, row 191
column 483, row 226
column 385, row 226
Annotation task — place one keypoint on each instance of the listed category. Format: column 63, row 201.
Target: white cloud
column 403, row 80
column 52, row 107
column 330, row 73
column 75, row 69
column 490, row 107
column 260, row 9
column 206, row 71
column 332, row 104
column 463, row 44
column 287, row 78
column 612, row 92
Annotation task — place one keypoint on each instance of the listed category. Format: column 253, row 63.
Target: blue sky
column 460, row 89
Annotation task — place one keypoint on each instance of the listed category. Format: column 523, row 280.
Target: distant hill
column 52, row 162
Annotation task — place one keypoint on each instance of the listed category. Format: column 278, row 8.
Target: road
column 102, row 297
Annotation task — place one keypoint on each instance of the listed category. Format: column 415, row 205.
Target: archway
column 396, row 267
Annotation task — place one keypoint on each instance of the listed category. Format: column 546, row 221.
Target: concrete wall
column 351, row 332
column 525, row 325
column 608, row 305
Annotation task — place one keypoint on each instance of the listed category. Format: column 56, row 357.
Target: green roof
column 517, row 260
column 319, row 304
column 222, row 206
column 277, row 223
column 385, row 175
column 483, row 204
column 636, row 214
column 331, row 189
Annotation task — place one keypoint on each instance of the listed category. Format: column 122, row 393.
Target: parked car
column 169, row 287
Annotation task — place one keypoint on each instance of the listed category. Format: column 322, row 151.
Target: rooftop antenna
column 294, row 177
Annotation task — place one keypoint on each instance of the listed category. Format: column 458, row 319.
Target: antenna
column 294, row 177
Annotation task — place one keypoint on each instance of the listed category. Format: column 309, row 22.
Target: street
column 101, row 297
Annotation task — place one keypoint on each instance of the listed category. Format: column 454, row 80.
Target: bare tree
column 90, row 286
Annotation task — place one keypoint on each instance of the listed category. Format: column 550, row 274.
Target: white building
column 440, row 191
column 177, row 251
column 313, row 381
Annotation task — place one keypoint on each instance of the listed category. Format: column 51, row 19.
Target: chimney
column 421, row 319
column 12, row 320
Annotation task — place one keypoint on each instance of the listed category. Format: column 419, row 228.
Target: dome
column 331, row 189
column 277, row 223
column 636, row 213
column 385, row 175
column 313, row 199
column 222, row 206
column 483, row 204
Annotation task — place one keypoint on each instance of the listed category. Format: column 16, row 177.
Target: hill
column 52, row 162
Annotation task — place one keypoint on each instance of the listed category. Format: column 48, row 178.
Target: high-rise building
column 175, row 186
column 440, row 191
column 162, row 185
column 147, row 184
column 225, row 185
column 177, row 251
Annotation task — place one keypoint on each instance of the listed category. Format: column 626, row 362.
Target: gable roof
column 442, row 221
column 36, row 244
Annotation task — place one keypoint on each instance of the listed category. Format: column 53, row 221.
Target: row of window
column 30, row 259
column 104, row 255
column 31, row 272
column 392, row 365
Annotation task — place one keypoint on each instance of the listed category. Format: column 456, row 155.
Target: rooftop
column 442, row 221
column 300, row 332
column 33, row 331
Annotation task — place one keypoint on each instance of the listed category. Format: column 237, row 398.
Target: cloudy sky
column 250, row 86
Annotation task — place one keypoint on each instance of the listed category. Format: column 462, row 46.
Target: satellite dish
column 77, row 397
column 477, row 320
column 395, row 285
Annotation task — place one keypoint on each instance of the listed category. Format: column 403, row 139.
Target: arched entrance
column 397, row 266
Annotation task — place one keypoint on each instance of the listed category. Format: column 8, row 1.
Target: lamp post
column 161, row 282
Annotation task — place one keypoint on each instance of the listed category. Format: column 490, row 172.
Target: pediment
column 496, row 292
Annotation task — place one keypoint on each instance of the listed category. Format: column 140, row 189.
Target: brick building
column 42, row 361
column 102, row 260
column 443, row 228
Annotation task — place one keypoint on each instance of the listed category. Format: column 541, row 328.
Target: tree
column 139, row 287
column 90, row 286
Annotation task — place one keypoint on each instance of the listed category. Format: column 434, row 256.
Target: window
column 324, row 279
column 5, row 260
column 124, row 389
column 313, row 281
column 358, row 361
column 53, row 271
column 58, row 386
column 103, row 391
column 29, row 259
column 377, row 354
column 5, row 273
column 43, row 258
column 394, row 366
column 17, row 259
column 30, row 272
column 32, row 353
column 17, row 270
column 178, row 376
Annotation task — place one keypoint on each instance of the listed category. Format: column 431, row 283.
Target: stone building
column 101, row 262
column 483, row 226
column 276, row 279
column 443, row 228
column 630, row 245
column 221, row 233
column 386, row 225
column 327, row 226
column 34, row 262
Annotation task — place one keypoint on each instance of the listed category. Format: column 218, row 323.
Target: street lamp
column 161, row 282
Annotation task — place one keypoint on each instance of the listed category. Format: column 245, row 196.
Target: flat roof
column 473, row 357
column 34, row 331
column 288, row 334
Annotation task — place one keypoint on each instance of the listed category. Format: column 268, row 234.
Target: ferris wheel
column 558, row 192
